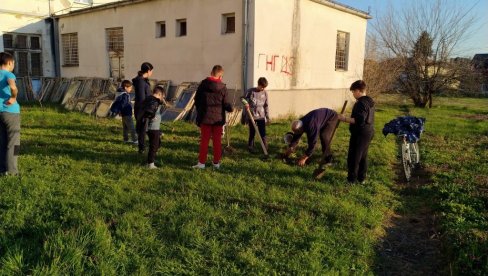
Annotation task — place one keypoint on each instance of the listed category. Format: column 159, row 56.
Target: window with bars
column 342, row 51
column 161, row 29
column 35, row 42
column 21, row 41
column 8, row 41
column 115, row 40
column 229, row 23
column 70, row 49
column 181, row 27
column 26, row 49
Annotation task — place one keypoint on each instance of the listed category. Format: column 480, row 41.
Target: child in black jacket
column 362, row 131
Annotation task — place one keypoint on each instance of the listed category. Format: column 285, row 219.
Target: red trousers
column 215, row 132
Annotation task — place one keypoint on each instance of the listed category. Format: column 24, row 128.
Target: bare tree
column 422, row 38
column 380, row 71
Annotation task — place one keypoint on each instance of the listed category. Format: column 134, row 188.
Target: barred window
column 229, row 23
column 26, row 49
column 70, row 49
column 36, row 64
column 8, row 41
column 21, row 41
column 342, row 49
column 115, row 40
column 22, row 64
column 35, row 42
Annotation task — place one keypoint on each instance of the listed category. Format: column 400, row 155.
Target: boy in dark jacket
column 211, row 102
column 362, row 130
column 126, row 112
column 152, row 113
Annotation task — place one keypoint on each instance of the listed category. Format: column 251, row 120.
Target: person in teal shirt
column 9, row 117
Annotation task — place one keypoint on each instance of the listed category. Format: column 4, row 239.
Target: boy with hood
column 362, row 130
column 211, row 103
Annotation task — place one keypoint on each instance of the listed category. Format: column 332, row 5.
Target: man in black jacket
column 317, row 123
column 362, row 130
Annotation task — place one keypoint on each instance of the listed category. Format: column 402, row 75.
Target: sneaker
column 216, row 166
column 199, row 166
column 151, row 166
column 134, row 142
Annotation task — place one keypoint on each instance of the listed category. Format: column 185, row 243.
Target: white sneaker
column 151, row 166
column 199, row 166
column 216, row 166
column 135, row 142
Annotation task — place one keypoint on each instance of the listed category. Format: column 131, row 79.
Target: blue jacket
column 125, row 103
column 410, row 126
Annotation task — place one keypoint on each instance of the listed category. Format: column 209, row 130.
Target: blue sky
column 478, row 43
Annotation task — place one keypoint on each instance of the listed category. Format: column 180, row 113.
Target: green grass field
column 86, row 204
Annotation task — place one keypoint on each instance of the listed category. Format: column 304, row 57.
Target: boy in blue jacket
column 126, row 113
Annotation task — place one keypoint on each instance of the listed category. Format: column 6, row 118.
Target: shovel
column 319, row 172
column 247, row 108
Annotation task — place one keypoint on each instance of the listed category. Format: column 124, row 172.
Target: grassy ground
column 455, row 155
column 86, row 204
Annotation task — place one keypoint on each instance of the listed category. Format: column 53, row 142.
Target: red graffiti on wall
column 286, row 63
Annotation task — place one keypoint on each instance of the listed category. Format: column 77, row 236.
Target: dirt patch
column 477, row 117
column 411, row 245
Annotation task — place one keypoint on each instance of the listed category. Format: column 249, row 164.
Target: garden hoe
column 248, row 111
column 320, row 171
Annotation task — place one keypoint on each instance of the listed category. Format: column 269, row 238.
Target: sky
column 477, row 43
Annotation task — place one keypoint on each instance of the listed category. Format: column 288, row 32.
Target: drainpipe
column 245, row 23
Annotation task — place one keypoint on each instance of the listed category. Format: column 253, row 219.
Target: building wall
column 294, row 47
column 29, row 17
column 179, row 59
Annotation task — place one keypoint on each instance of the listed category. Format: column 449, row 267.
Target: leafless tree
column 422, row 38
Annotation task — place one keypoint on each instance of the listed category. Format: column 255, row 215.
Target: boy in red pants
column 211, row 102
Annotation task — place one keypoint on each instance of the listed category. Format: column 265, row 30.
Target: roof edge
column 116, row 4
column 344, row 8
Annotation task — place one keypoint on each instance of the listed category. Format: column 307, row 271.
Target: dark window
column 22, row 64
column 70, row 49
column 229, row 23
column 35, row 42
column 21, row 41
column 36, row 69
column 161, row 29
column 181, row 24
column 115, row 40
column 26, row 49
column 8, row 41
column 342, row 49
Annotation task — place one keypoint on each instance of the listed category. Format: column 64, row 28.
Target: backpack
column 150, row 107
column 116, row 106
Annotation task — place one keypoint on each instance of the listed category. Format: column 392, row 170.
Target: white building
column 309, row 50
column 26, row 31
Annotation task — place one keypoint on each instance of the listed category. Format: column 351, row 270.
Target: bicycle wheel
column 414, row 153
column 406, row 161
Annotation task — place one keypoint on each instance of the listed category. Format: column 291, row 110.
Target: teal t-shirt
column 5, row 93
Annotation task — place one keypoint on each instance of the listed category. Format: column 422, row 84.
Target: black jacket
column 142, row 89
column 363, row 114
column 211, row 102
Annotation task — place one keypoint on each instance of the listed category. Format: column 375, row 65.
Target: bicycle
column 410, row 156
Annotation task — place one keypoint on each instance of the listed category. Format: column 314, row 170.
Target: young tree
column 422, row 38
